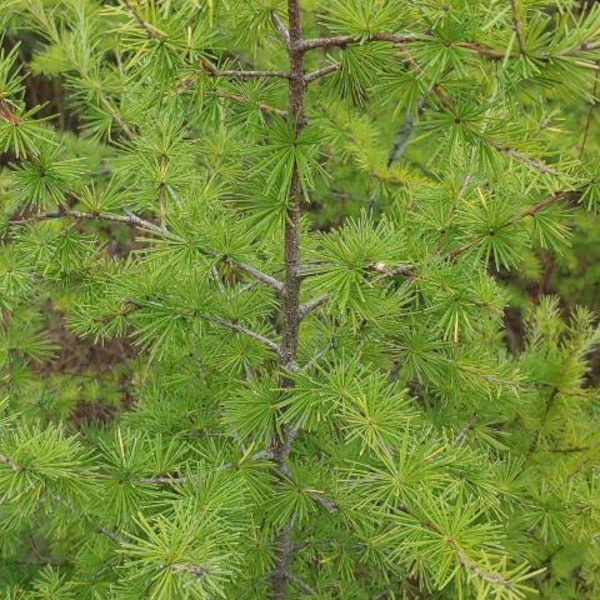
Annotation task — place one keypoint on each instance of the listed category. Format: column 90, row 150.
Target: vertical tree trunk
column 291, row 288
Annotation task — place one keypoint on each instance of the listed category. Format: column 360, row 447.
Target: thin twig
column 491, row 53
column 536, row 208
column 270, row 344
column 111, row 535
column 455, row 252
column 306, row 309
column 385, row 271
column 284, row 472
column 215, row 273
column 533, row 163
column 317, row 357
column 346, row 40
column 465, row 429
column 129, row 219
column 302, row 585
column 328, row 505
column 7, row 114
column 194, row 570
column 151, row 32
column 404, row 135
column 235, row 74
column 258, row 275
column 9, row 462
column 517, row 27
column 492, row 578
column 310, row 77
column 588, row 119
column 494, row 54
column 171, row 480
column 187, row 82
column 281, row 29
column 446, row 102
column 529, row 212
column 308, row 269
column 342, row 41
column 105, row 531
column 166, row 480
column 500, row 55
column 162, row 189
column 135, row 221
column 242, row 100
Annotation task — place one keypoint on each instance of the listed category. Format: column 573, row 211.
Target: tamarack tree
column 322, row 197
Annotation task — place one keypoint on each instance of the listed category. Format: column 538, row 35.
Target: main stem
column 291, row 282
column 291, row 288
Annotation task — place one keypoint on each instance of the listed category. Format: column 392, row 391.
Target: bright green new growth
column 371, row 437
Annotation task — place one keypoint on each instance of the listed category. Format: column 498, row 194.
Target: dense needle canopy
column 254, row 266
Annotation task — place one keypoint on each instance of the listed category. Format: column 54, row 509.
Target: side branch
column 536, row 208
column 281, row 29
column 10, row 463
column 306, row 309
column 257, row 337
column 384, row 271
column 151, row 32
column 571, row 195
column 309, row 77
column 114, row 113
column 409, row 271
column 130, row 219
column 403, row 137
column 111, row 535
column 533, row 163
column 135, row 221
column 495, row 579
column 259, row 276
column 325, row 503
column 344, row 40
column 241, row 100
column 494, row 54
column 341, row 41
column 194, row 570
column 517, row 27
column 235, row 74
column 187, row 82
column 173, row 480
